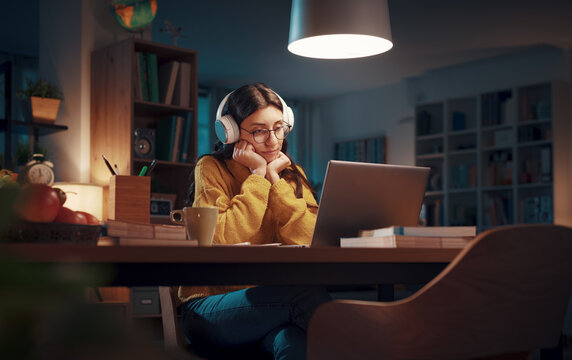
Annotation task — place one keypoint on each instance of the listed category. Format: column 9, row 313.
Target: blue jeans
column 272, row 317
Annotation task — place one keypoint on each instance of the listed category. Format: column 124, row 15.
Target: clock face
column 40, row 174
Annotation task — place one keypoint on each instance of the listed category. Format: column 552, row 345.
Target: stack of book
column 142, row 234
column 413, row 237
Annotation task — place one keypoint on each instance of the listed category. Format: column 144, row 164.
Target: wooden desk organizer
column 130, row 198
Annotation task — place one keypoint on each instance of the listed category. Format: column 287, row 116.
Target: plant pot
column 44, row 110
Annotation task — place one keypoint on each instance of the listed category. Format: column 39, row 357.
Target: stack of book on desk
column 413, row 237
column 141, row 234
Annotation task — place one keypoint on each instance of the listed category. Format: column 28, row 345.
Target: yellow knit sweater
column 250, row 209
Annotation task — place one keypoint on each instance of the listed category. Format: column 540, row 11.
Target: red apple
column 66, row 215
column 91, row 219
column 37, row 203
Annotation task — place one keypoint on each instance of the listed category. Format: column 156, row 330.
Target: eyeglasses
column 261, row 135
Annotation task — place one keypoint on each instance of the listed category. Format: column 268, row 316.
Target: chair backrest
column 506, row 292
column 173, row 337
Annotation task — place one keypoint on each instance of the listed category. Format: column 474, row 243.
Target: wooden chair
column 506, row 293
column 173, row 337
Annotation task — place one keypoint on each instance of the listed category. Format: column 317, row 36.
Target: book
column 186, row 134
column 427, row 231
column 167, row 79
column 403, row 241
column 119, row 228
column 177, row 138
column 165, row 136
column 182, row 92
column 153, row 77
column 142, row 61
column 133, row 241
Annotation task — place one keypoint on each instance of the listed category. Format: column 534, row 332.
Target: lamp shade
column 83, row 197
column 339, row 29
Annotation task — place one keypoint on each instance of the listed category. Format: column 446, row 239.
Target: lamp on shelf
column 83, row 197
column 339, row 29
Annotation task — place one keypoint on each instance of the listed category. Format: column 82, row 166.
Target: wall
column 389, row 110
column 359, row 115
column 69, row 32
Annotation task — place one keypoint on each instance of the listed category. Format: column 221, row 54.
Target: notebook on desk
column 357, row 196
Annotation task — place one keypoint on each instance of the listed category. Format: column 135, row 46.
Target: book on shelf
column 182, row 92
column 166, row 129
column 143, row 75
column 153, row 76
column 177, row 138
column 167, row 79
column 186, row 135
column 119, row 228
column 425, row 231
column 404, row 241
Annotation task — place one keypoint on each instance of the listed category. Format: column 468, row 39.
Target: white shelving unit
column 491, row 156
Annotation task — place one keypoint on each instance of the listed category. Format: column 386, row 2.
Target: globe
column 134, row 15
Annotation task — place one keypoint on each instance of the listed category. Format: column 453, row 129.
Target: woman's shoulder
column 207, row 161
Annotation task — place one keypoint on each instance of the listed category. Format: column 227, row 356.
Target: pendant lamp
column 339, row 29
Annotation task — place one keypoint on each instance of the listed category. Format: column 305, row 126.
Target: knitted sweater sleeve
column 240, row 215
column 296, row 217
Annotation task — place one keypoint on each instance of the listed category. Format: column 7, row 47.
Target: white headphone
column 227, row 129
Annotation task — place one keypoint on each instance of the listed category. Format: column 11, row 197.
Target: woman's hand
column 244, row 154
column 276, row 166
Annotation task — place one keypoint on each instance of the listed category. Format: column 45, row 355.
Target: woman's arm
column 296, row 217
column 241, row 207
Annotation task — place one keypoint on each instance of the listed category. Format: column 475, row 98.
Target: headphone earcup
column 290, row 115
column 227, row 130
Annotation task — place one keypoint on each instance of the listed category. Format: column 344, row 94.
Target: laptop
column 360, row 196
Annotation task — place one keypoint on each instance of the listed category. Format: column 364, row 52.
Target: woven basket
column 30, row 232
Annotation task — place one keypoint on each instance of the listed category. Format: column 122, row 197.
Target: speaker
column 226, row 128
column 144, row 143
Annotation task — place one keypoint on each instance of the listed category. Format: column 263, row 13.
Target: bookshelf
column 491, row 156
column 372, row 149
column 120, row 105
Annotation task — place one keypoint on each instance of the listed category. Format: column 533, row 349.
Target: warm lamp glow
column 341, row 46
column 83, row 197
column 339, row 29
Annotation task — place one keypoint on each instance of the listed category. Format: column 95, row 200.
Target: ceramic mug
column 200, row 223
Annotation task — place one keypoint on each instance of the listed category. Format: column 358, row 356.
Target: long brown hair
column 242, row 103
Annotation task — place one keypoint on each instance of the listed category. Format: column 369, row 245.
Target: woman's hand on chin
column 276, row 166
column 244, row 154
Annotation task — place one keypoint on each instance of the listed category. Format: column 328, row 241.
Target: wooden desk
column 242, row 265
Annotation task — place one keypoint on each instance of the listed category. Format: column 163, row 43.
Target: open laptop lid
column 359, row 196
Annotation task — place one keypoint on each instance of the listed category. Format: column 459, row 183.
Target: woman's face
column 268, row 118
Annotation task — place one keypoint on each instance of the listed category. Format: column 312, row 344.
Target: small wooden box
column 130, row 198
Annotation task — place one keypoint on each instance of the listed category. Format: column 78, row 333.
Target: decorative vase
column 44, row 110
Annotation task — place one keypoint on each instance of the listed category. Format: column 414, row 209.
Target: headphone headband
column 227, row 129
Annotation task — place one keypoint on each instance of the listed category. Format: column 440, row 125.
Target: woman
column 262, row 197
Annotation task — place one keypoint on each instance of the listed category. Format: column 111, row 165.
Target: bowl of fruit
column 39, row 215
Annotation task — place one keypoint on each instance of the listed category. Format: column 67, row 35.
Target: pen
column 116, row 169
column 143, row 170
column 151, row 167
column 108, row 165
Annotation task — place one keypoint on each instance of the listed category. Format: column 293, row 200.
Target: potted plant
column 44, row 100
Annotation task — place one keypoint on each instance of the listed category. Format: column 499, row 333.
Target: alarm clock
column 38, row 171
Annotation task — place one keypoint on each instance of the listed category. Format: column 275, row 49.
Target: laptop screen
column 360, row 196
